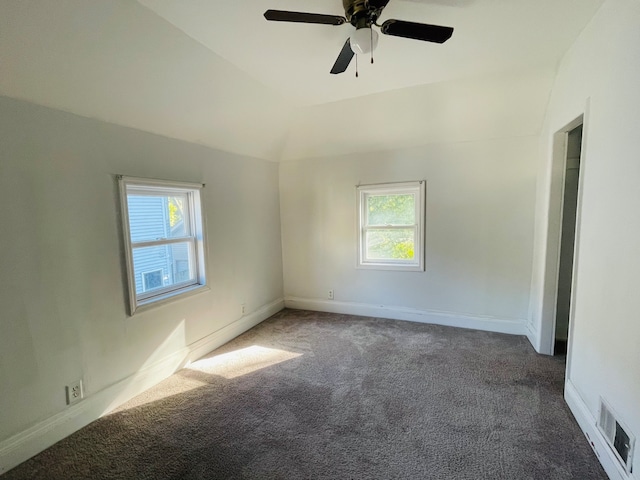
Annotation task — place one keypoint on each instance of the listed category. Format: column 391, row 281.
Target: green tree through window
column 176, row 210
column 391, row 210
column 391, row 230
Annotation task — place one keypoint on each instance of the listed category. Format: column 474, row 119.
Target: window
column 164, row 239
column 391, row 226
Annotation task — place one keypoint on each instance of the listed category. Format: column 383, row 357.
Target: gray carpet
column 326, row 396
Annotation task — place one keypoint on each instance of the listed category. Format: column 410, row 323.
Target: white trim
column 153, row 182
column 164, row 241
column 451, row 319
column 29, row 442
column 553, row 224
column 162, row 299
column 533, row 337
column 214, row 340
column 587, row 423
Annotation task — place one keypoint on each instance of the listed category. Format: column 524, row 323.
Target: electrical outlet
column 243, row 309
column 330, row 294
column 74, row 392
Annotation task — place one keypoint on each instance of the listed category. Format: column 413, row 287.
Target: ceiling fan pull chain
column 356, row 66
column 371, row 31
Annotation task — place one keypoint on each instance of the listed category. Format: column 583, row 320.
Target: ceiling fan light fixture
column 363, row 40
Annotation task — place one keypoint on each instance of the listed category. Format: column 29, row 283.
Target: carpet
column 309, row 395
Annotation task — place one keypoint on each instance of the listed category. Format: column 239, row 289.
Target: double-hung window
column 391, row 226
column 164, row 239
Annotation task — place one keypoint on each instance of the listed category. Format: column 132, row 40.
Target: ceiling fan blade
column 343, row 60
column 417, row 31
column 303, row 17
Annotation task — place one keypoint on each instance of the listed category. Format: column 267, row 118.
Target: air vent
column 617, row 435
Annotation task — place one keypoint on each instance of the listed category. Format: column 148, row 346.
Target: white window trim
column 418, row 188
column 146, row 300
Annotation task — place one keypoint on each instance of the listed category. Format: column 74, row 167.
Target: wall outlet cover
column 74, row 392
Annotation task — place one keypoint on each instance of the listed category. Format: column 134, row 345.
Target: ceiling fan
column 363, row 14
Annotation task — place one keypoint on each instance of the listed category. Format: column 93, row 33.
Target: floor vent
column 617, row 435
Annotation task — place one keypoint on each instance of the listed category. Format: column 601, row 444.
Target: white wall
column 601, row 69
column 62, row 284
column 480, row 204
column 479, row 226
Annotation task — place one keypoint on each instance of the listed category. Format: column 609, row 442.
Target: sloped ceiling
column 117, row 61
column 218, row 74
column 294, row 59
column 509, row 104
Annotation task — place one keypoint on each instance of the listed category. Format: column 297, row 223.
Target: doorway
column 562, row 236
column 567, row 239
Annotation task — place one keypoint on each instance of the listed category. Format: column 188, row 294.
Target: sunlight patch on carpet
column 243, row 361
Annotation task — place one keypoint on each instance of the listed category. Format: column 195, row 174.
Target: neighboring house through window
column 391, row 226
column 164, row 238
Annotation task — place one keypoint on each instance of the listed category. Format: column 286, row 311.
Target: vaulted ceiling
column 294, row 59
column 217, row 73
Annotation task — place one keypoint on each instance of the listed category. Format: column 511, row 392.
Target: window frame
column 418, row 189
column 195, row 239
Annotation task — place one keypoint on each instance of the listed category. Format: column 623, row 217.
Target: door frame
column 554, row 235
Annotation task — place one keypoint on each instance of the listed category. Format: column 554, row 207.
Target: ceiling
column 216, row 73
column 295, row 59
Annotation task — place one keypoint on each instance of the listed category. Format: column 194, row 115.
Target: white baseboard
column 477, row 322
column 231, row 331
column 533, row 337
column 32, row 441
column 587, row 423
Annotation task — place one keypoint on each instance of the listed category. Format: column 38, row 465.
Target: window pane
column 392, row 244
column 391, row 209
column 162, row 266
column 152, row 217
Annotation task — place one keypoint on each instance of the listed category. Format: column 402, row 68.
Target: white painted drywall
column 479, row 225
column 63, row 313
column 601, row 69
column 475, row 142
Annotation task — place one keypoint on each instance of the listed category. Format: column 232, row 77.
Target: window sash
column 366, row 259
column 387, row 193
column 417, row 189
column 390, row 227
column 193, row 216
column 164, row 192
column 163, row 241
column 159, row 292
column 177, row 285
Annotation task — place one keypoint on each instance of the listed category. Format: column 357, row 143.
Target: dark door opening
column 567, row 239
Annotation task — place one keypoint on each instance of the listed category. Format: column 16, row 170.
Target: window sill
column 149, row 303
column 386, row 266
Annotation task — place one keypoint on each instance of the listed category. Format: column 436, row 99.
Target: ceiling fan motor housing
column 359, row 13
